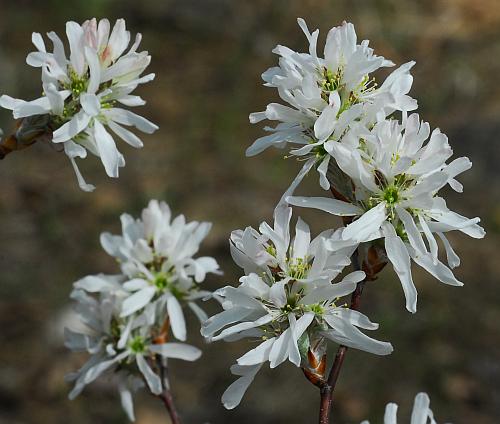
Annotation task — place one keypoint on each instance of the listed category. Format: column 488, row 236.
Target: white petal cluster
column 397, row 170
column 128, row 317
column 421, row 413
column 85, row 93
column 327, row 95
column 288, row 302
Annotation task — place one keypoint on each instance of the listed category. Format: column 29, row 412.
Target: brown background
column 208, row 56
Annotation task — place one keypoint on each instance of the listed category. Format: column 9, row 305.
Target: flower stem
column 167, row 398
column 328, row 386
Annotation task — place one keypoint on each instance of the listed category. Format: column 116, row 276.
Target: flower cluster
column 326, row 96
column 396, row 174
column 83, row 95
column 128, row 317
column 384, row 175
column 287, row 301
column 421, row 413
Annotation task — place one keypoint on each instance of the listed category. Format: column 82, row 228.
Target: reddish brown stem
column 328, row 386
column 167, row 398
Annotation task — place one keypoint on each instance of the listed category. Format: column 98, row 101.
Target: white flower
column 156, row 255
column 83, row 94
column 292, row 304
column 396, row 179
column 421, row 413
column 326, row 95
column 123, row 349
column 128, row 317
column 269, row 249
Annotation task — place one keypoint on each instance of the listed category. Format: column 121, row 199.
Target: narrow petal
column 128, row 136
column 231, row 398
column 176, row 350
column 108, row 152
column 400, row 259
column 70, row 129
column 257, row 355
column 333, row 206
column 302, row 239
column 421, row 410
column 153, row 381
column 366, row 224
column 176, row 317
column 137, row 301
column 90, row 104
column 127, row 401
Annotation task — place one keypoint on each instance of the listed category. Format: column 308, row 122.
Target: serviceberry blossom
column 288, row 302
column 396, row 177
column 156, row 256
column 421, row 413
column 85, row 93
column 128, row 317
column 125, row 350
column 326, row 95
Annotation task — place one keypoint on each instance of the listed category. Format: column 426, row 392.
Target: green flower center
column 298, row 268
column 391, row 195
column 161, row 281
column 330, row 82
column 271, row 250
column 317, row 309
column 78, row 84
column 137, row 345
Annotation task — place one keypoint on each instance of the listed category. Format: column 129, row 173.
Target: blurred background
column 208, row 56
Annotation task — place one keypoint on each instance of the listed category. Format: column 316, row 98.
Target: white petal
column 280, row 350
column 451, row 256
column 390, row 415
column 421, row 410
column 127, row 402
column 108, row 152
column 37, row 40
column 126, row 135
column 297, row 328
column 430, row 239
column 411, row 229
column 135, row 284
column 81, row 182
column 90, row 104
column 220, row 320
column 257, row 355
column 231, row 398
column 176, row 317
column 277, row 294
column 176, row 350
column 437, row 269
column 400, row 259
column 322, row 170
column 119, row 39
column 137, row 301
column 70, row 129
column 243, row 326
column 366, row 224
column 151, row 378
column 333, row 206
column 331, row 291
column 95, row 70
column 302, row 239
column 75, row 36
column 346, row 334
column 356, row 318
column 325, row 124
column 96, row 283
column 126, row 117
